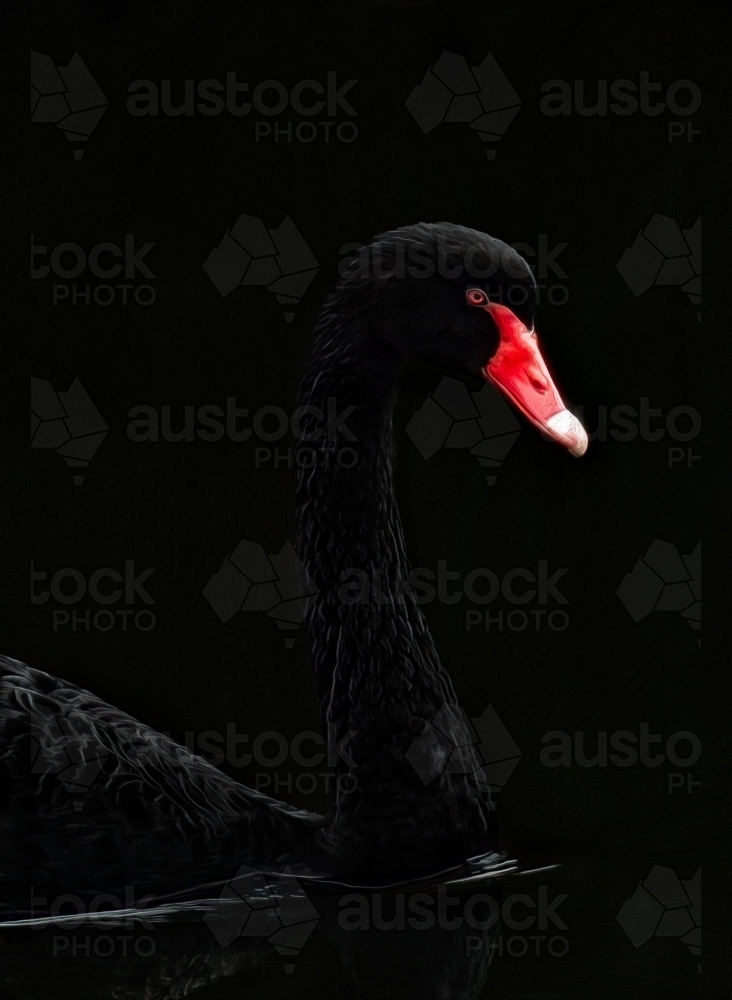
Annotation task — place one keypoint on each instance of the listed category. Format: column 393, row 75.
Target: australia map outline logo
column 66, row 96
column 251, row 580
column 454, row 417
column 453, row 92
column 252, row 254
column 68, row 422
column 665, row 254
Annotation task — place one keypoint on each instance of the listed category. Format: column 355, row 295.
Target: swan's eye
column 476, row 297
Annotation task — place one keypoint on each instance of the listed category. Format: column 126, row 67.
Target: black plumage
column 159, row 818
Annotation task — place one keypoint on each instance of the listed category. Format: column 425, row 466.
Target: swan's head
column 461, row 300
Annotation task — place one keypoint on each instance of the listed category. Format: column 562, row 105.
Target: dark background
column 181, row 182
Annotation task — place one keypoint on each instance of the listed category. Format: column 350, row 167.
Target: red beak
column 520, row 372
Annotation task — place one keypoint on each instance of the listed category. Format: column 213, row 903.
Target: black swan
column 159, row 818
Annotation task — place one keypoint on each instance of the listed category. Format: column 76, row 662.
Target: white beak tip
column 567, row 429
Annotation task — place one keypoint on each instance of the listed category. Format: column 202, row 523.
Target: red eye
column 477, row 297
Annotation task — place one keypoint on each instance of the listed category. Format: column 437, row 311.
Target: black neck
column 378, row 677
column 368, row 639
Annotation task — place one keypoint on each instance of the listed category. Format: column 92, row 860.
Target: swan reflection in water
column 268, row 934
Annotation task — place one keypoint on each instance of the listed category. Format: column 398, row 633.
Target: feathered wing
column 92, row 800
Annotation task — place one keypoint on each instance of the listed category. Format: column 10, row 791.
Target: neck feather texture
column 379, row 680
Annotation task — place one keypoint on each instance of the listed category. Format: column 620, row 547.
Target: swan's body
column 157, row 817
column 94, row 800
